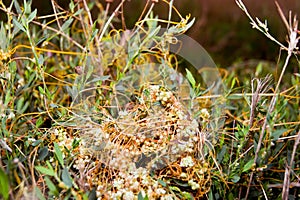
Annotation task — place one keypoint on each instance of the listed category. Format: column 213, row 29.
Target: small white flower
column 193, row 184
column 100, row 187
column 128, row 195
column 187, row 162
column 118, row 183
column 135, row 185
column 98, row 194
column 183, row 175
column 168, row 197
column 56, row 132
column 31, row 139
column 11, row 115
column 123, row 113
column 160, row 191
column 204, row 113
column 117, row 195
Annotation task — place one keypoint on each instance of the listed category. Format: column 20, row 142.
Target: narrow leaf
column 41, row 60
column 98, row 78
column 18, row 25
column 43, row 153
column 58, row 154
column 17, row 7
column 46, row 171
column 31, row 16
column 277, row 133
column 39, row 122
column 39, row 193
column 52, row 187
column 41, row 90
column 248, row 165
column 66, row 178
column 162, row 182
column 78, row 12
column 140, row 196
column 235, row 178
column 66, row 24
column 4, row 189
column 20, row 104
column 190, row 78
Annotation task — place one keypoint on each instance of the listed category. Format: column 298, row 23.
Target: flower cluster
column 140, row 152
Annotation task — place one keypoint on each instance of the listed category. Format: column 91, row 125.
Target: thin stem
column 255, row 25
column 106, row 25
column 55, row 14
column 270, row 110
column 61, row 33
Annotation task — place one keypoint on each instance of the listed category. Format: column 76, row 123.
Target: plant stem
column 270, row 110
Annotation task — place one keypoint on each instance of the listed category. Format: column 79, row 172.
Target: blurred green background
column 220, row 27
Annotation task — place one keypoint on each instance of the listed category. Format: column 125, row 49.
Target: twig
column 286, row 182
column 261, row 87
column 99, row 52
column 55, row 14
column 109, row 20
column 60, row 33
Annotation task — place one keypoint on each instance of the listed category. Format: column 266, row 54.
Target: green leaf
column 51, row 186
column 31, row 16
column 78, row 12
column 259, row 69
column 248, row 165
column 41, row 60
column 27, row 103
column 58, row 154
column 98, row 78
column 8, row 98
column 17, row 7
column 164, row 184
column 41, row 90
column 190, row 78
column 222, row 153
column 94, row 32
column 46, row 171
column 187, row 195
column 231, row 196
column 174, row 188
column 35, row 143
column 189, row 25
column 181, row 183
column 3, row 36
column 24, row 22
column 140, row 196
column 18, row 25
column 233, row 82
column 150, row 35
column 43, row 153
column 66, row 178
column 72, row 6
column 27, row 6
column 39, row 122
column 39, row 193
column 4, row 189
column 152, row 22
column 235, row 178
column 66, row 25
column 20, row 104
column 276, row 134
column 49, row 165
